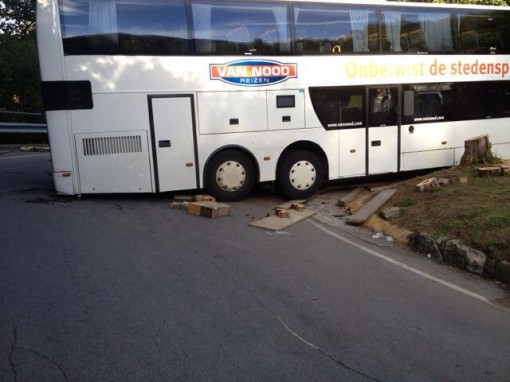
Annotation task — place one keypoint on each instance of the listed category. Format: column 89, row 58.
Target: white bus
column 166, row 95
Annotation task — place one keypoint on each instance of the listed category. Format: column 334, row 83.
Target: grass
column 476, row 212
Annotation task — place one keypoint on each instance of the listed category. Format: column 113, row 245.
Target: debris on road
column 39, row 149
column 284, row 216
column 209, row 209
column 200, row 205
column 371, row 207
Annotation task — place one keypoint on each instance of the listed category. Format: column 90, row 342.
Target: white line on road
column 407, row 267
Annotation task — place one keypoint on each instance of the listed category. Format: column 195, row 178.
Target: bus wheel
column 300, row 174
column 230, row 176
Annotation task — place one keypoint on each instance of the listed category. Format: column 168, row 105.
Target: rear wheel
column 300, row 174
column 230, row 176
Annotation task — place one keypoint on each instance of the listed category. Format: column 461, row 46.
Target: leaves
column 19, row 68
column 17, row 17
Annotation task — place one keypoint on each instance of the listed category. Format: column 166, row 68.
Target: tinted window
column 158, row 27
column 383, row 106
column 245, row 28
column 503, row 107
column 428, row 103
column 332, row 29
column 411, row 30
column 478, row 100
column 339, row 107
column 483, row 32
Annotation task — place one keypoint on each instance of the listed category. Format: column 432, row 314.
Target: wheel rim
column 230, row 176
column 302, row 175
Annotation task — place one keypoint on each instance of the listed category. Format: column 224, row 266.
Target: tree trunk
column 477, row 150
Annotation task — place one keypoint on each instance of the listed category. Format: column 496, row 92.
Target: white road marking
column 407, row 267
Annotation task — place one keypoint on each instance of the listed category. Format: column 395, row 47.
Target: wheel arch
column 238, row 148
column 308, row 146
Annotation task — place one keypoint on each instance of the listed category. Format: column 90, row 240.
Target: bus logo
column 253, row 72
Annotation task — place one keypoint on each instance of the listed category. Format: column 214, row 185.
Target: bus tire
column 230, row 176
column 300, row 174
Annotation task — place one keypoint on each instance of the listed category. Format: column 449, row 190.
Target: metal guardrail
column 22, row 128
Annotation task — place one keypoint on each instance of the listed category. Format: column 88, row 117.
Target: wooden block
column 281, row 213
column 209, row 209
column 371, row 207
column 180, row 205
column 289, row 204
column 505, row 170
column 487, row 172
column 183, row 198
column 427, row 184
column 204, row 198
column 297, row 206
column 194, row 208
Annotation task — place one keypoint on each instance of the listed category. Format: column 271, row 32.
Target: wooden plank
column 371, row 207
column 346, row 199
column 275, row 223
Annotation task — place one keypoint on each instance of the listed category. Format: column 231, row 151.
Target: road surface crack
column 16, row 348
column 315, row 347
column 11, row 353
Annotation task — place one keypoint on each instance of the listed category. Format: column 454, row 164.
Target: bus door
column 383, row 129
column 173, row 142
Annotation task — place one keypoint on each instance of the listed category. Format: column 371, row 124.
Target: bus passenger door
column 173, row 142
column 383, row 129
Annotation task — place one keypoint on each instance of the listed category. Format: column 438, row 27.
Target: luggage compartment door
column 173, row 142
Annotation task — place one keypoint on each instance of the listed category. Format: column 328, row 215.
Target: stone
column 390, row 212
column 459, row 254
column 463, row 179
column 503, row 271
column 425, row 245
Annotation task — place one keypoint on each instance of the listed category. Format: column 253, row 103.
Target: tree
column 17, row 17
column 19, row 67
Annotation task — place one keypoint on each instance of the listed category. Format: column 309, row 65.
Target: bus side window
column 339, row 107
column 408, row 107
column 335, row 28
column 383, row 106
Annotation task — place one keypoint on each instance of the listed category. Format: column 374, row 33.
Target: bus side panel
column 113, row 162
column 112, row 144
column 426, row 145
column 352, row 153
column 497, row 129
column 232, row 112
column 50, row 53
column 61, row 158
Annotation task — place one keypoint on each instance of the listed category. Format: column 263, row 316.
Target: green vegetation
column 476, row 212
column 19, row 67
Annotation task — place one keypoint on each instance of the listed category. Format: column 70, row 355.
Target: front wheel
column 230, row 176
column 300, row 174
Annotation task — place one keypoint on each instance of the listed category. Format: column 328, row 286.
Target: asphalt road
column 123, row 288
